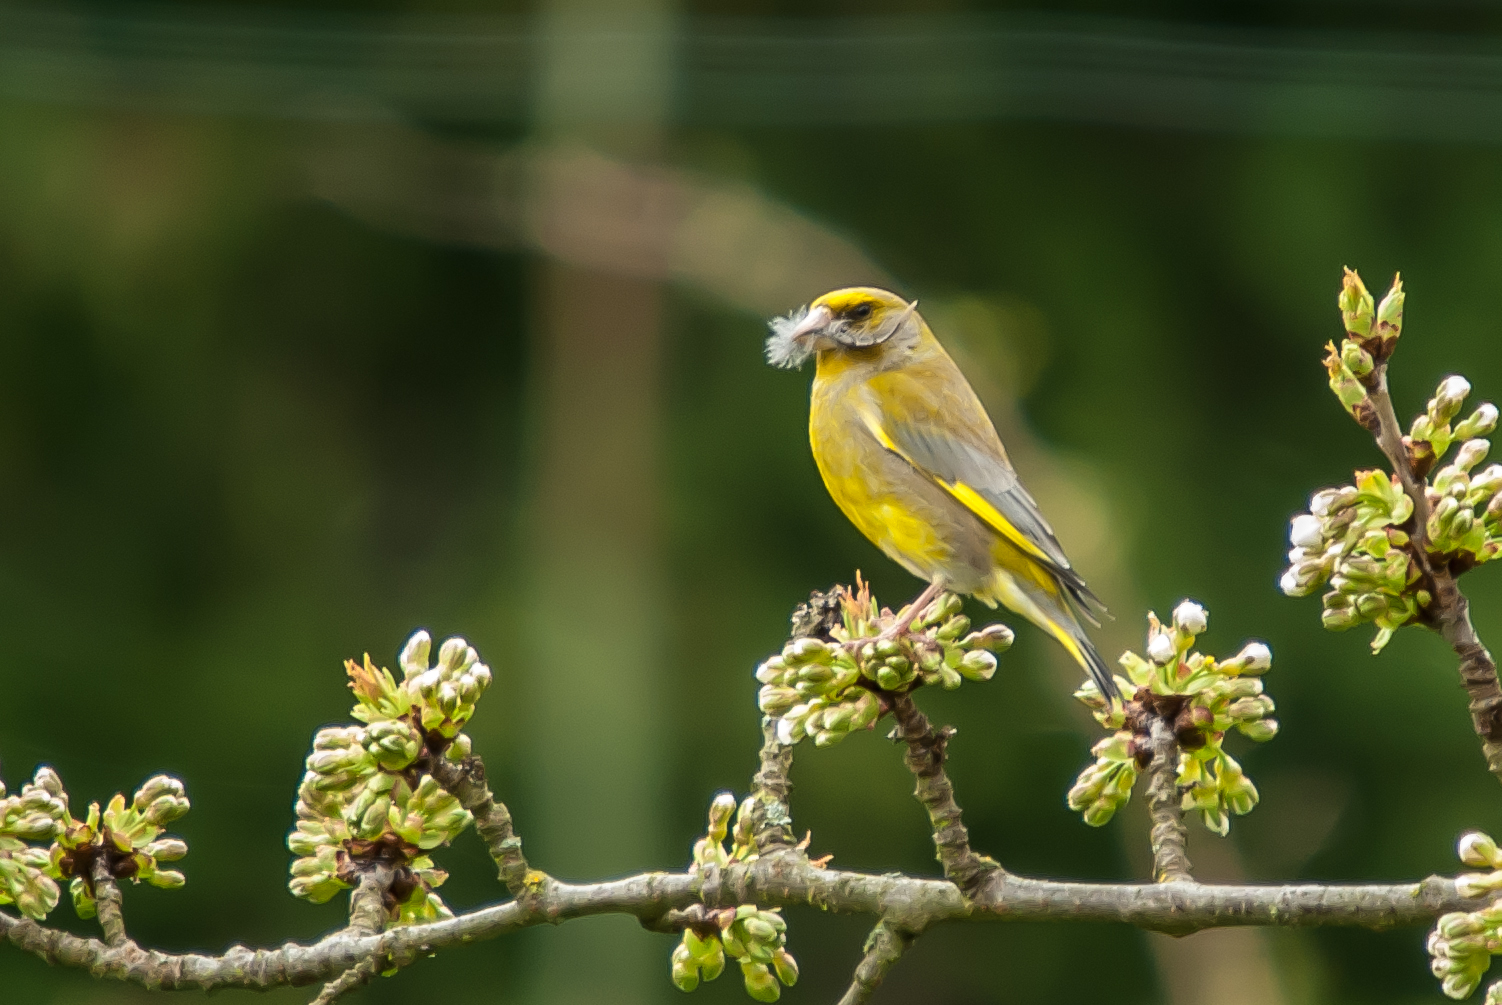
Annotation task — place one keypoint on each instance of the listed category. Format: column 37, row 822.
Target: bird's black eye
column 860, row 312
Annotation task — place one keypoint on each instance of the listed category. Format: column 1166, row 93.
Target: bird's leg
column 914, row 609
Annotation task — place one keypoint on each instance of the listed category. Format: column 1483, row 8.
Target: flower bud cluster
column 1353, row 537
column 1351, row 540
column 755, row 938
column 1463, row 942
column 1200, row 699
column 39, row 812
column 438, row 698
column 129, row 838
column 1372, row 332
column 366, row 795
column 710, row 850
column 350, row 807
column 830, row 687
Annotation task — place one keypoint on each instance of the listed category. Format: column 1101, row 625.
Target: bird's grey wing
column 983, row 479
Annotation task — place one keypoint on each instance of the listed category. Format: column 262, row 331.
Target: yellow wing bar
column 964, row 494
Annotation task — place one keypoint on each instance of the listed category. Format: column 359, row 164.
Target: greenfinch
column 909, row 454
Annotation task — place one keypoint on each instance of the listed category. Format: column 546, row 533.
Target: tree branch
column 772, row 881
column 346, row 982
column 107, row 901
column 884, row 947
column 926, row 749
column 465, row 781
column 771, row 815
column 1169, row 835
column 368, row 912
column 1449, row 611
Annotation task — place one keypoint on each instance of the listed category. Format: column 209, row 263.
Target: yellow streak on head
column 857, row 307
column 841, row 302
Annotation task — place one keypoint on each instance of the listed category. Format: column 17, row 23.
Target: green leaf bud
column 888, row 679
column 1481, row 422
column 1356, row 308
column 166, row 879
column 1338, row 620
column 1241, row 796
column 1460, row 985
column 459, row 749
column 712, row 964
column 943, row 608
column 816, row 673
column 731, row 940
column 83, row 899
column 1260, row 730
column 1371, row 605
column 950, row 678
column 785, row 966
column 1356, row 359
column 1390, row 311
column 867, row 708
column 720, row 810
column 373, row 820
column 1459, row 923
column 808, row 651
column 954, row 628
column 1476, row 884
column 978, row 664
column 760, row 984
column 996, row 637
column 166, row 849
column 757, row 929
column 684, row 972
column 837, row 719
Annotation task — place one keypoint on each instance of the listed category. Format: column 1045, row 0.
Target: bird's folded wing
column 981, row 479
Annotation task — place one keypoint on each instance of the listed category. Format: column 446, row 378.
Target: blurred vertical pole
column 595, row 591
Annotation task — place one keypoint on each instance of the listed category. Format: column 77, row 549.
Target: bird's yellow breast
column 878, row 492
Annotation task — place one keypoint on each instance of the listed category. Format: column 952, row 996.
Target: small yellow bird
column 911, row 457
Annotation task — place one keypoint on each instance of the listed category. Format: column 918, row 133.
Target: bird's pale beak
column 798, row 336
column 813, row 324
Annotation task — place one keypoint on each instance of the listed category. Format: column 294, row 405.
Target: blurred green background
column 321, row 325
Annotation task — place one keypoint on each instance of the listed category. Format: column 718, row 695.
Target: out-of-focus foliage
column 244, row 432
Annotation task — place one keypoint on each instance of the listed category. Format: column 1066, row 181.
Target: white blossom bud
column 1448, row 397
column 1479, row 849
column 1258, row 657
column 1190, row 617
column 1481, row 422
column 1471, row 453
column 1306, row 531
column 1160, row 648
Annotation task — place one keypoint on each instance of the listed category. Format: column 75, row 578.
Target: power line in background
column 747, row 71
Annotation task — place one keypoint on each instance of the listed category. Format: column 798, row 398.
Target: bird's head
column 860, row 321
